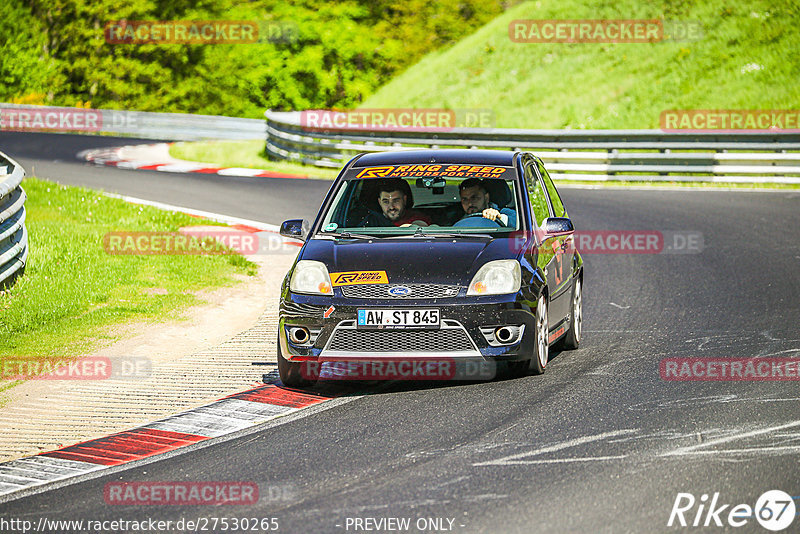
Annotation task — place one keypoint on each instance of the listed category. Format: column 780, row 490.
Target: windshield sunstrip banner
column 435, row 170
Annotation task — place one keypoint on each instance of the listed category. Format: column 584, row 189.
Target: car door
column 546, row 252
column 564, row 250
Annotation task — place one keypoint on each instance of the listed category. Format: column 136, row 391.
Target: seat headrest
column 498, row 190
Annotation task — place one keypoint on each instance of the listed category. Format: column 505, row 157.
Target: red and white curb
column 117, row 157
column 226, row 416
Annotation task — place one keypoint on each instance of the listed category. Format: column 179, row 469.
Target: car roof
column 403, row 157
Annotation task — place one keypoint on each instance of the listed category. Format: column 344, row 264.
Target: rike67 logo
column 775, row 510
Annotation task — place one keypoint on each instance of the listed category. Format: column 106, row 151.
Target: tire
column 542, row 351
column 291, row 373
column 572, row 338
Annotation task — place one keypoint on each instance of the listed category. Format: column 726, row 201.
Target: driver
column 393, row 199
column 475, row 199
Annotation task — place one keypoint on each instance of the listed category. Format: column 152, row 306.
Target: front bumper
column 331, row 321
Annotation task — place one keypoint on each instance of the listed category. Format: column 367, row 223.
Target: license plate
column 393, row 318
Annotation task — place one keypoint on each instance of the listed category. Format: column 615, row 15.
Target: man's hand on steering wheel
column 491, row 214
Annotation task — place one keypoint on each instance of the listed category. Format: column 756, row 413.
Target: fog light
column 503, row 334
column 298, row 335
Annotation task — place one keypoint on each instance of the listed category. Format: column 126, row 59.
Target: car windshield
column 441, row 199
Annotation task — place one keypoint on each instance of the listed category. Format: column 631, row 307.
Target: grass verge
column 73, row 292
column 656, row 185
column 248, row 154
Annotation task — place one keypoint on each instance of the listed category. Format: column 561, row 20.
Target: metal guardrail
column 149, row 125
column 642, row 155
column 598, row 155
column 13, row 235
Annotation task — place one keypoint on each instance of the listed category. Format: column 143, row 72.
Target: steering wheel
column 470, row 221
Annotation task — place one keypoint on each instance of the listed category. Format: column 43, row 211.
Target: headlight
column 496, row 278
column 311, row 277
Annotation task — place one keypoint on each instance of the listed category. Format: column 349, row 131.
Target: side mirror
column 558, row 226
column 293, row 228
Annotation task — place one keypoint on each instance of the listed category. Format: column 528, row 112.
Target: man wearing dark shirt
column 475, row 200
column 393, row 200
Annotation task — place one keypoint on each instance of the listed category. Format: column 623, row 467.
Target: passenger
column 393, row 197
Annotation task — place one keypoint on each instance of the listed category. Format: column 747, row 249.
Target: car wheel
column 572, row 338
column 290, row 372
column 542, row 352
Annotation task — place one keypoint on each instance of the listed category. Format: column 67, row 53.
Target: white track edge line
column 278, row 421
column 218, row 217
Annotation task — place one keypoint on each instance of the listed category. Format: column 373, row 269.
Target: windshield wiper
column 452, row 234
column 418, row 233
column 349, row 235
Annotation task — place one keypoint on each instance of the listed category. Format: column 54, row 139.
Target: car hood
column 408, row 260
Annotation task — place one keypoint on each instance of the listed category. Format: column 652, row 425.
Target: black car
column 431, row 256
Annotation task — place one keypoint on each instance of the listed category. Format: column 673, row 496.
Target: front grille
column 418, row 291
column 444, row 340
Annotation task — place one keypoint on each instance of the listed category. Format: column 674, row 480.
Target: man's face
column 474, row 200
column 393, row 204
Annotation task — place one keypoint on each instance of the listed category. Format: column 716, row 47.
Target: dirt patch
column 203, row 355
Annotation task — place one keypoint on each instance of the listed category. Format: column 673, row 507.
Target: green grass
column 719, row 185
column 612, row 86
column 591, row 85
column 73, row 292
column 248, row 154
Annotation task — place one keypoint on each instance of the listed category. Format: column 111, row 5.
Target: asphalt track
column 52, row 156
column 598, row 443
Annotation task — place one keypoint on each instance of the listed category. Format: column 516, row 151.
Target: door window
column 555, row 200
column 536, row 194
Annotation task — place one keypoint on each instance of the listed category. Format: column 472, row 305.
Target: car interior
column 441, row 204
